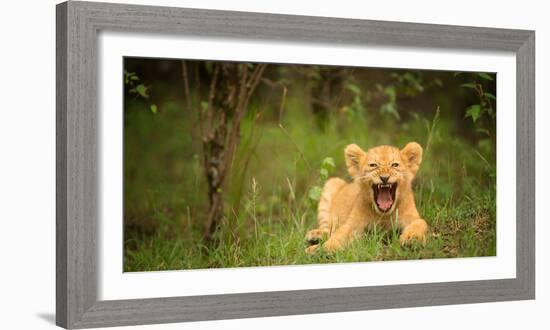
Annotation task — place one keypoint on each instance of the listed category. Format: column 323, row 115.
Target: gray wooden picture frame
column 78, row 24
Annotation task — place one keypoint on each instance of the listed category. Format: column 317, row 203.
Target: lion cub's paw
column 416, row 231
column 329, row 246
column 332, row 245
column 315, row 236
column 312, row 248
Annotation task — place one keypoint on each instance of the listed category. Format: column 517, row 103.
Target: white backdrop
column 27, row 163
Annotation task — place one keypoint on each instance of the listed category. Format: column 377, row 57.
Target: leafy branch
column 134, row 86
column 484, row 108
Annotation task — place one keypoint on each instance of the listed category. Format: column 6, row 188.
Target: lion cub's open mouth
column 384, row 195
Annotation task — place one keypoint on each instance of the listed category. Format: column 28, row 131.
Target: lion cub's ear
column 353, row 154
column 412, row 156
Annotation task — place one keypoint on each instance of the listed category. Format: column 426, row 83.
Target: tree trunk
column 214, row 153
column 231, row 87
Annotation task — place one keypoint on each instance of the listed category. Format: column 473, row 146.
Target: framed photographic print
column 217, row 165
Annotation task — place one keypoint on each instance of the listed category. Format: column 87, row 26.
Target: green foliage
column 482, row 113
column 485, row 76
column 461, row 229
column 471, row 85
column 410, row 82
column 356, row 106
column 133, row 86
column 473, row 111
column 389, row 107
column 431, row 129
column 130, row 78
column 327, row 167
column 204, row 106
column 315, row 193
column 141, row 90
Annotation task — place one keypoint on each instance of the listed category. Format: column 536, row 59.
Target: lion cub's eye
column 395, row 165
column 373, row 164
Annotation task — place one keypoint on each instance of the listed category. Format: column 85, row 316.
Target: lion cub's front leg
column 415, row 230
column 336, row 241
column 342, row 236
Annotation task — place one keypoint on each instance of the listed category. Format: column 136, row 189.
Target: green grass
column 267, row 210
column 465, row 230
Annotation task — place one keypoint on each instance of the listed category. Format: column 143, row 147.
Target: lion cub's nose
column 384, row 179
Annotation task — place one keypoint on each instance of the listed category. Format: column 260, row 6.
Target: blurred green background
column 297, row 124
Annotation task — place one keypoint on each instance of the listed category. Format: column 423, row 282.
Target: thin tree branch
column 246, row 89
column 254, row 80
column 186, row 85
column 211, row 94
column 296, row 145
column 275, row 84
column 187, row 96
column 283, row 101
column 240, row 107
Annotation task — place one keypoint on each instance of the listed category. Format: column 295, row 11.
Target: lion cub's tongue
column 384, row 199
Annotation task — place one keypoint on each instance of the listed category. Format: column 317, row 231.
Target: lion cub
column 381, row 192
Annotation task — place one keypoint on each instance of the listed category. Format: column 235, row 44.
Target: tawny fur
column 346, row 209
